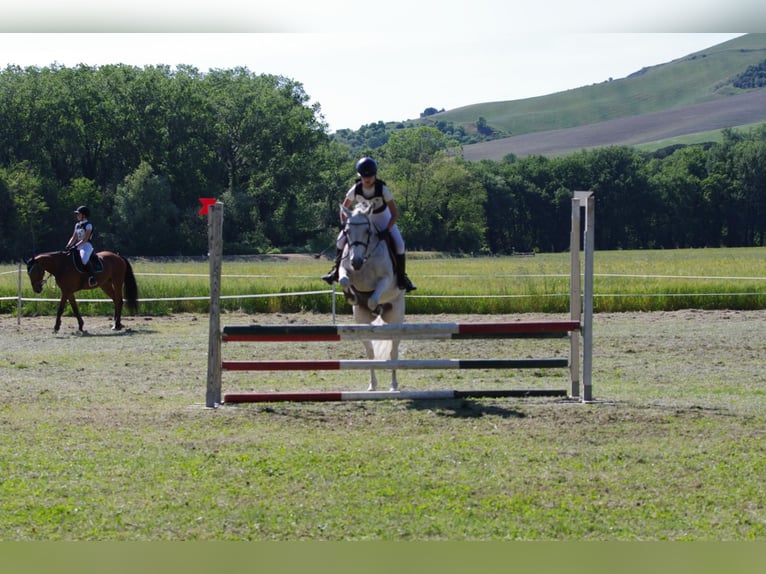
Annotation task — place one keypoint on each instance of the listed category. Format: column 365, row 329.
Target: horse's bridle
column 34, row 264
column 365, row 244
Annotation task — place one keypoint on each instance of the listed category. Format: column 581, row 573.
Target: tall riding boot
column 332, row 275
column 92, row 281
column 401, row 273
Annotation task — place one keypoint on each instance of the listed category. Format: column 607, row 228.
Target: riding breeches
column 86, row 250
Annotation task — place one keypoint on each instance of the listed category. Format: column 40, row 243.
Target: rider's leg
column 85, row 255
column 401, row 273
column 402, row 280
column 332, row 275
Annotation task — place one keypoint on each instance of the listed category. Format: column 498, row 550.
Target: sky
column 368, row 62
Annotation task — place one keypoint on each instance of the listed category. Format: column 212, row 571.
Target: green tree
column 408, row 159
column 460, row 222
column 24, row 186
column 144, row 216
column 750, row 165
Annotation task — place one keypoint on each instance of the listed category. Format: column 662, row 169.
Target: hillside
column 729, row 112
column 696, row 93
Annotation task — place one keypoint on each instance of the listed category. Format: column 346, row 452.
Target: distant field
column 644, row 280
column 728, row 112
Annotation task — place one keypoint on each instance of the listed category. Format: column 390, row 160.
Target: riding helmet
column 366, row 167
column 84, row 210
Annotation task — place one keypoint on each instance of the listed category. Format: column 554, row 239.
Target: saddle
column 96, row 262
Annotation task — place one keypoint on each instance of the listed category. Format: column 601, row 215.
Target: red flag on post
column 206, row 202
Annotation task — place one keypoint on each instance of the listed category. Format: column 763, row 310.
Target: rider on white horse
column 370, row 189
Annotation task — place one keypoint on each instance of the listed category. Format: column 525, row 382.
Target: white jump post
column 581, row 304
column 215, row 255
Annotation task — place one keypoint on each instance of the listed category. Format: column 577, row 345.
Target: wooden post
column 575, row 305
column 215, row 255
column 587, row 323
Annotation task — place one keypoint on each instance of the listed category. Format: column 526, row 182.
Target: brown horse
column 116, row 272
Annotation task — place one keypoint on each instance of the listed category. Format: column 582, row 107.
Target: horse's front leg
column 371, row 355
column 59, row 312
column 381, row 288
column 76, row 311
column 343, row 279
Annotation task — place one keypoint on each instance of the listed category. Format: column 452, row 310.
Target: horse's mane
column 362, row 208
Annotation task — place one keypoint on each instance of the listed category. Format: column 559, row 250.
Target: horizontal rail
column 319, row 396
column 337, row 365
column 282, row 333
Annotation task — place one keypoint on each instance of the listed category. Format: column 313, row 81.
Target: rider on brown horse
column 80, row 240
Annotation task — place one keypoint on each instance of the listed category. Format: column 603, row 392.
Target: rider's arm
column 394, row 213
column 88, row 232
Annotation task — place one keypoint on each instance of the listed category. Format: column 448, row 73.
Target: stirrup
column 406, row 284
column 92, row 281
column 330, row 277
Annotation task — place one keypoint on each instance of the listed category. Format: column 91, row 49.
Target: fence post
column 18, row 300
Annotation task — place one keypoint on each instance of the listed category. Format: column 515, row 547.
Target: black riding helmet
column 366, row 167
column 84, row 210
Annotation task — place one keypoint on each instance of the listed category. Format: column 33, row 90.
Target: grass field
column 105, row 438
column 104, row 435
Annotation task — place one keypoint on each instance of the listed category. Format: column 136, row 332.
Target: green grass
column 104, row 438
column 647, row 280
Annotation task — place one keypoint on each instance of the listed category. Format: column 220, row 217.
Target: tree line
column 140, row 146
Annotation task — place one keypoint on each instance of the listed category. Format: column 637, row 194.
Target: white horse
column 368, row 279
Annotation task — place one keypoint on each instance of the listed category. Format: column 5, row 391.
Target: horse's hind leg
column 394, row 357
column 371, row 355
column 116, row 296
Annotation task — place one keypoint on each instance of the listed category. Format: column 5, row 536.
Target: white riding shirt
column 380, row 215
column 86, row 249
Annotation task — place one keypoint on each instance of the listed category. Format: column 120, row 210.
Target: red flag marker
column 206, row 202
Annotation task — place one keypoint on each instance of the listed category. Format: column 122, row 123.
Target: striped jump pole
column 284, row 333
column 340, row 365
column 435, row 395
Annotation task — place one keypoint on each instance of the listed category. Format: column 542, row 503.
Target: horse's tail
column 381, row 348
column 131, row 288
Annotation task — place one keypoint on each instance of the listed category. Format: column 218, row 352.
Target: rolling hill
column 730, row 112
column 693, row 94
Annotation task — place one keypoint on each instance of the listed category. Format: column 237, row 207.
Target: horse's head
column 359, row 233
column 36, row 274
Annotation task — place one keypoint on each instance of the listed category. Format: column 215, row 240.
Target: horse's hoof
column 117, row 328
